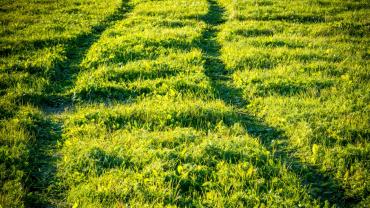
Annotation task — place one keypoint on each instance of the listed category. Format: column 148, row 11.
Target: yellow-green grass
column 303, row 67
column 42, row 40
column 174, row 167
column 200, row 103
column 38, row 53
column 178, row 74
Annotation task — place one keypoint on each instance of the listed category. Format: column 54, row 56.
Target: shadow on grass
column 42, row 163
column 320, row 186
column 108, row 94
column 104, row 161
column 131, row 75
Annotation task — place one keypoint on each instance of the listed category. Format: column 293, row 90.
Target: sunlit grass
column 306, row 72
column 198, row 103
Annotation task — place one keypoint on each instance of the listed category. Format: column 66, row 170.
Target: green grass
column 40, row 44
column 200, row 103
column 305, row 71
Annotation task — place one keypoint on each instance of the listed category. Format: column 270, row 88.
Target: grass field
column 188, row 103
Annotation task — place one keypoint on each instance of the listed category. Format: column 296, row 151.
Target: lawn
column 188, row 103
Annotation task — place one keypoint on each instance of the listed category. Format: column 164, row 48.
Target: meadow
column 187, row 103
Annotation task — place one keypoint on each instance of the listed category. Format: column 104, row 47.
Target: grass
column 218, row 103
column 40, row 44
column 307, row 77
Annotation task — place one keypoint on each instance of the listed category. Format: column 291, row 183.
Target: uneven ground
column 196, row 103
